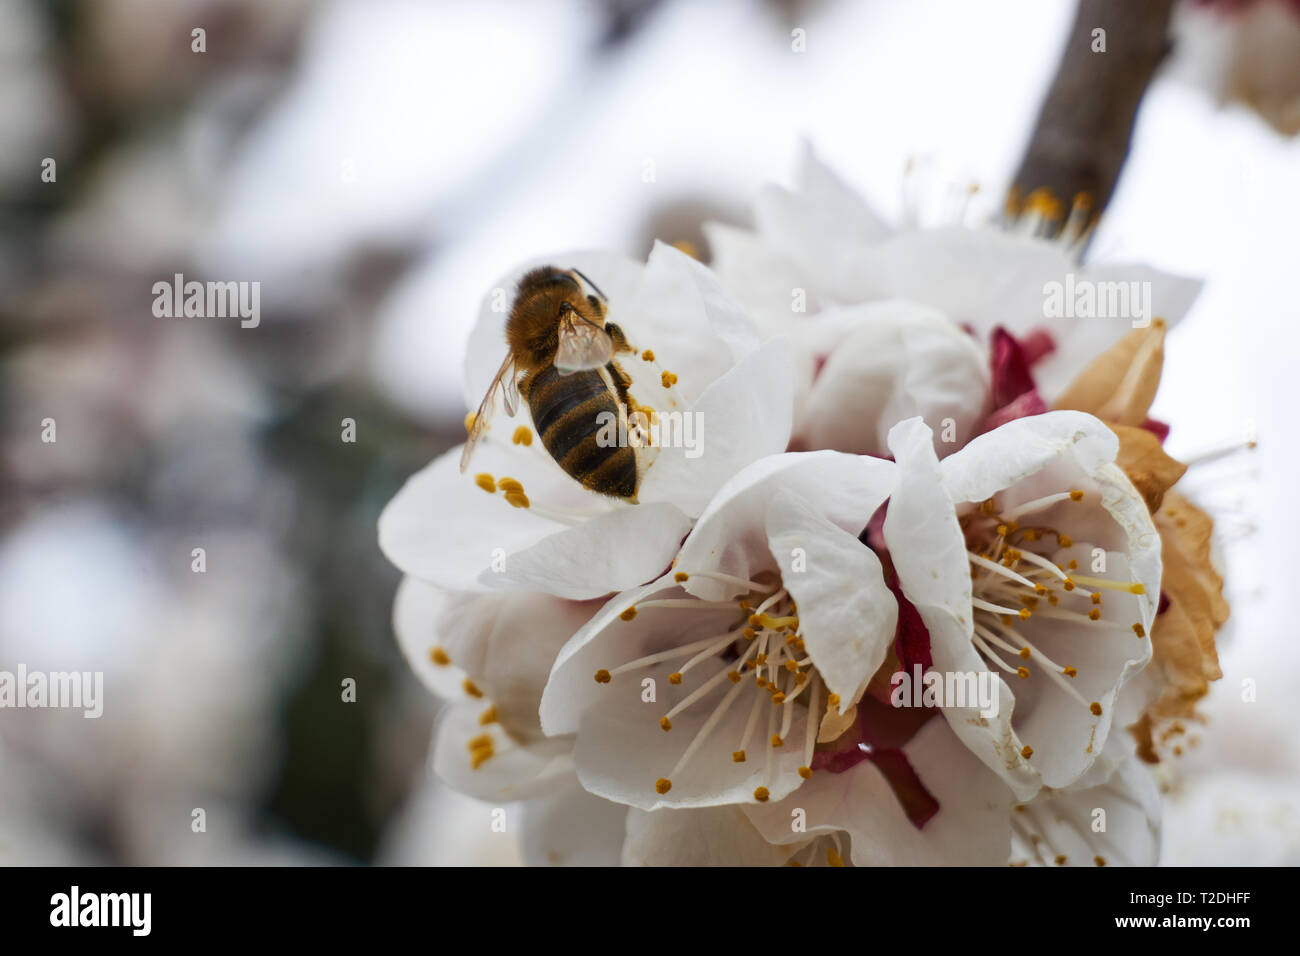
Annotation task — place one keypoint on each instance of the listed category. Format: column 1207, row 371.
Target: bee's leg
column 622, row 382
column 618, row 337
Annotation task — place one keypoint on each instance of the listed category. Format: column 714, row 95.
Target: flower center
column 1012, row 581
column 763, row 657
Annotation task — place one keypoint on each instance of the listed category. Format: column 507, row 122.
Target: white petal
column 613, row 552
column 513, row 772
column 730, row 535
column 929, row 552
column 970, row 829
column 887, row 362
column 742, row 417
column 442, row 527
column 710, row 836
column 847, row 615
column 418, row 610
column 572, row 828
column 1072, row 833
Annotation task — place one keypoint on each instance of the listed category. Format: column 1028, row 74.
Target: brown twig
column 1082, row 136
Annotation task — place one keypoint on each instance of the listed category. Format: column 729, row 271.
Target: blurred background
column 375, row 165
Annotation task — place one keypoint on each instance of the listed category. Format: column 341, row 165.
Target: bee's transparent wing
column 505, row 375
column 583, row 345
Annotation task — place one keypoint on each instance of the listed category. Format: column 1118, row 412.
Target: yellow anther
column 749, row 633
column 1060, row 860
column 1099, row 860
column 1023, row 672
column 666, row 724
column 734, row 677
column 517, row 499
column 675, row 678
column 479, row 757
column 1065, row 540
column 805, row 772
column 522, row 436
column 776, row 740
column 1096, row 598
column 1095, row 707
column 648, row 355
column 1076, row 495
column 668, row 379
column 755, row 621
column 1070, row 672
column 471, row 688
column 1002, row 530
column 1094, row 614
column 1026, row 751
column 663, row 785
column 778, row 698
column 792, row 665
column 761, row 794
column 833, row 858
column 1024, row 653
column 509, row 485
column 738, row 756
column 1025, row 613
column 628, row 614
column 439, row 657
column 1139, row 630
column 488, row 716
column 603, row 676
column 681, row 576
column 481, row 742
column 1068, row 585
column 800, row 677
column 1073, row 565
column 1039, row 589
column 833, row 700
column 469, row 422
column 486, row 482
column 762, row 659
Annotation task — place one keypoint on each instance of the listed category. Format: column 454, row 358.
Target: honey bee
column 560, row 359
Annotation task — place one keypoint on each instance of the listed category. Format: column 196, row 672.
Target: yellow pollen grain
column 439, row 657
column 1023, row 672
column 648, row 355
column 761, row 794
column 668, row 379
column 675, row 678
column 1026, row 751
column 522, row 436
column 1070, row 671
column 471, row 688
column 738, row 756
column 1095, row 707
column 663, row 785
column 486, row 482
column 603, row 676
column 488, row 716
column 628, row 614
column 1076, row 495
column 666, row 724
column 776, row 740
column 1139, row 630
column 681, row 576
column 805, row 772
column 517, row 499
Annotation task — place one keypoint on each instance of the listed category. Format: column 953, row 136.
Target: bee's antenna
column 592, row 284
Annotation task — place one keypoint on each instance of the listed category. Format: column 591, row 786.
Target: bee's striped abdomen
column 566, row 410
